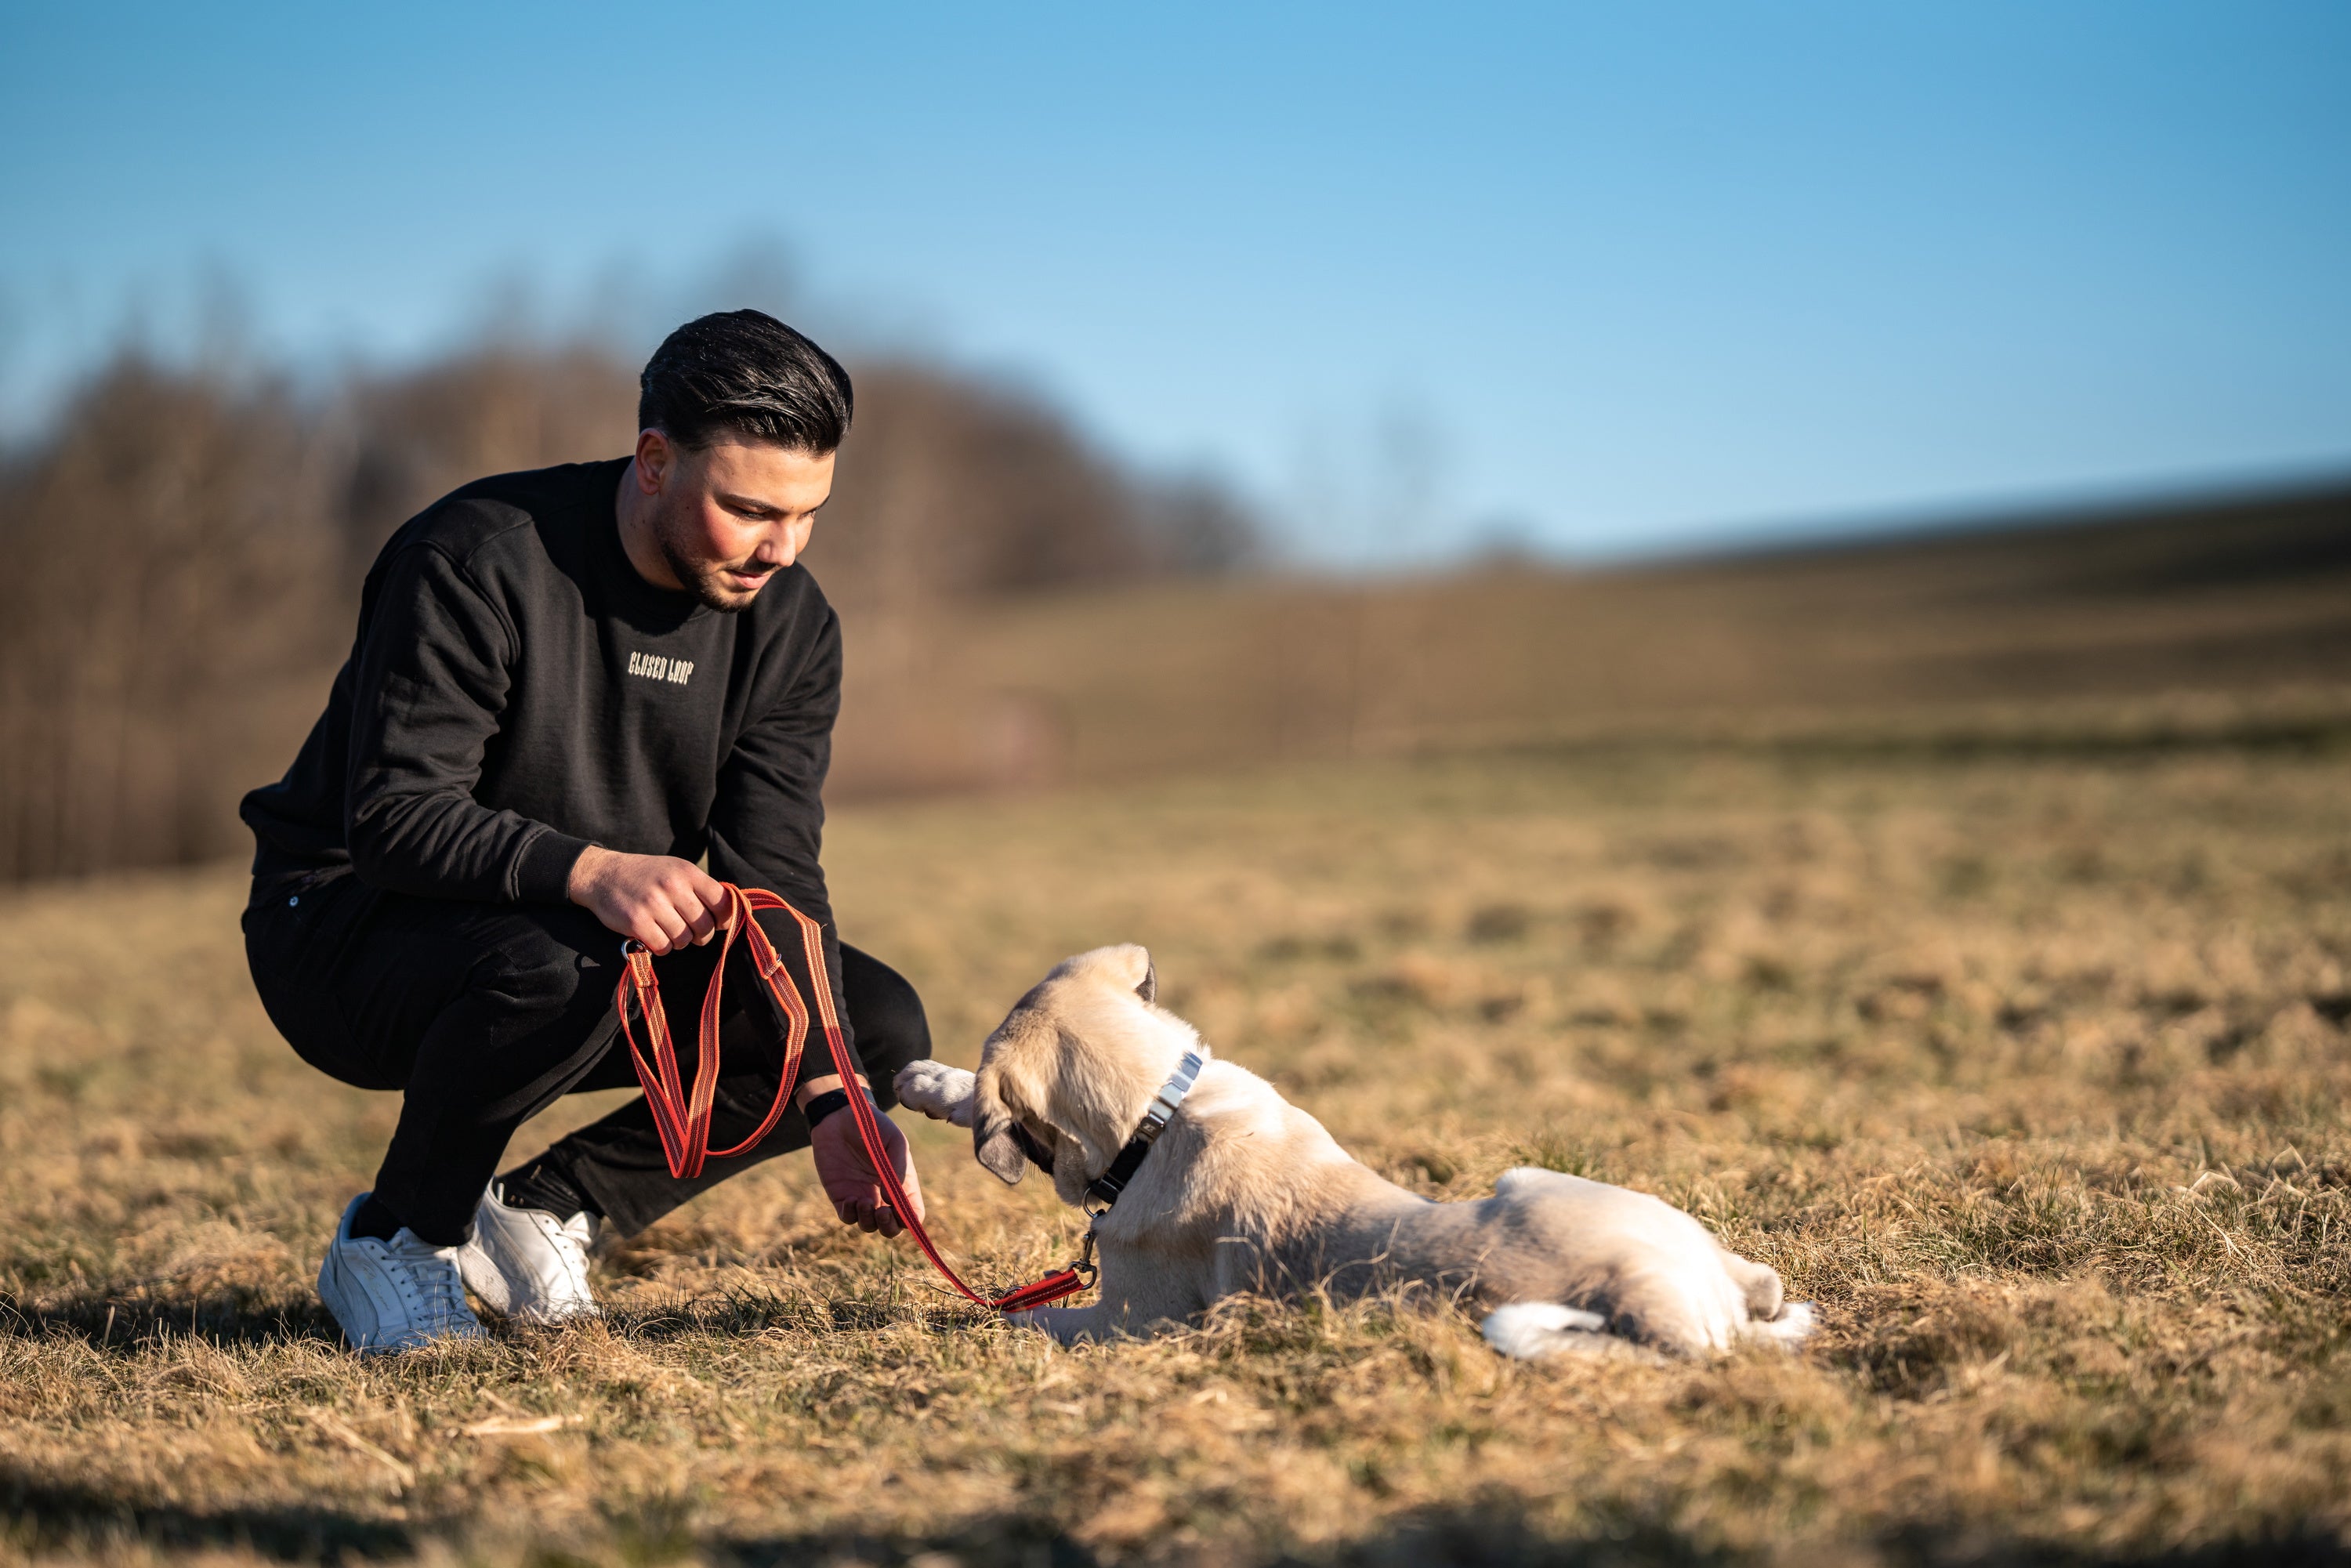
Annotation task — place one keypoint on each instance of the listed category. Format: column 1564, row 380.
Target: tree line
column 184, row 546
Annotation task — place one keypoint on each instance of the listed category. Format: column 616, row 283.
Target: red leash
column 682, row 1117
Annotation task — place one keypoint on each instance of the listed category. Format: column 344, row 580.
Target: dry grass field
column 2029, row 1069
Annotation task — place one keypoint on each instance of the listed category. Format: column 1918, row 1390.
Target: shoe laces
column 573, row 1237
column 429, row 1279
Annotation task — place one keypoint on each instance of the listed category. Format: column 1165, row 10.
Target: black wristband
column 825, row 1104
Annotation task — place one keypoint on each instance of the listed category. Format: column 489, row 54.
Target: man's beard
column 706, row 579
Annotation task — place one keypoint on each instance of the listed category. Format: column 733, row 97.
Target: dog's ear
column 1148, row 987
column 992, row 1141
column 1000, row 1097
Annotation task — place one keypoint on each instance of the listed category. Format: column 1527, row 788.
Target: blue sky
column 1610, row 280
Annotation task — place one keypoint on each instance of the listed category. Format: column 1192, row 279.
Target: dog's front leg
column 1068, row 1326
column 942, row 1093
column 1143, row 1294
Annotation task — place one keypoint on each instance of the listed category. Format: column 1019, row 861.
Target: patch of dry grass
column 2030, row 1070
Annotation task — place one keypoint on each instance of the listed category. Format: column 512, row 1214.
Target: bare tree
column 165, row 565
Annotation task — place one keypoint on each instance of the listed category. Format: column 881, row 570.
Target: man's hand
column 849, row 1179
column 664, row 902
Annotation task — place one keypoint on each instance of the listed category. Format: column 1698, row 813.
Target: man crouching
column 569, row 687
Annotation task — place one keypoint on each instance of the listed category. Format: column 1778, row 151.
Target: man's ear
column 654, row 457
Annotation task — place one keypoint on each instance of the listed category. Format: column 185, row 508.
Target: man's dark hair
column 745, row 374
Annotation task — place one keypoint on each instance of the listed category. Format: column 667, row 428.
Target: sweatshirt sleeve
column 433, row 674
column 767, row 825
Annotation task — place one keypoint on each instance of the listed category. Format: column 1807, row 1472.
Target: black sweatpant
column 482, row 1015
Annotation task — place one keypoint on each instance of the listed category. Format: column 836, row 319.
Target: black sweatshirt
column 518, row 691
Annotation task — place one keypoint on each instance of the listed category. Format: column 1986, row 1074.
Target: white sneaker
column 527, row 1263
column 394, row 1295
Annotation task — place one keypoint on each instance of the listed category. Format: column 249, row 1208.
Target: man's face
column 728, row 516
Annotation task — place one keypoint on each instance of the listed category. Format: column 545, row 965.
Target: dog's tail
column 1771, row 1316
column 1526, row 1330
column 1792, row 1327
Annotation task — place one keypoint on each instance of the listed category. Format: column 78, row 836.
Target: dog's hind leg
column 1527, row 1331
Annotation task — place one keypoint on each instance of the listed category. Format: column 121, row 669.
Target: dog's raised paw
column 942, row 1093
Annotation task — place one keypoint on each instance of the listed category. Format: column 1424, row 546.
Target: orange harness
column 683, row 1116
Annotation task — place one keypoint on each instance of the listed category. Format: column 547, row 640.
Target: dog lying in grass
column 1244, row 1192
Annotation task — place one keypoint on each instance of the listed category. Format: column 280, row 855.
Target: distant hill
column 2263, row 536
column 2023, row 626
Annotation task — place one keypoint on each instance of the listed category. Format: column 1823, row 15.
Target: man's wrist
column 824, row 1103
column 580, row 876
column 812, row 1084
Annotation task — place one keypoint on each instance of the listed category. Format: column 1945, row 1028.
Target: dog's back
column 1627, row 1264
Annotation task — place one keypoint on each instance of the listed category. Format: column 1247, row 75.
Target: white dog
column 1243, row 1191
